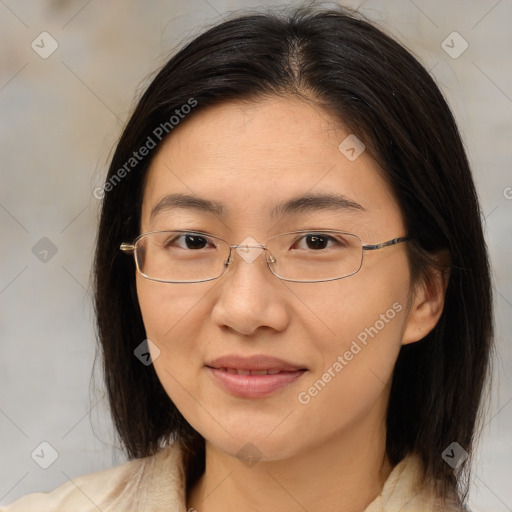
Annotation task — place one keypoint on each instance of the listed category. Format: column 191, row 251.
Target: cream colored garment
column 157, row 484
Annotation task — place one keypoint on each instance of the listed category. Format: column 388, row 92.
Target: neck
column 346, row 473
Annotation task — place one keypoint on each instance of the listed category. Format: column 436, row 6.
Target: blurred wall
column 69, row 72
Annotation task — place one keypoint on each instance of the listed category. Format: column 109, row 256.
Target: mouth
column 255, row 376
column 243, row 371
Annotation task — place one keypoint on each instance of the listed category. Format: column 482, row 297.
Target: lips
column 255, row 376
column 242, row 371
column 254, row 364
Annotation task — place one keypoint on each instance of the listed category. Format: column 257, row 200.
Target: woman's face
column 333, row 343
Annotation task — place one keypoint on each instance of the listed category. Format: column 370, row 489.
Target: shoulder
column 135, row 485
column 82, row 493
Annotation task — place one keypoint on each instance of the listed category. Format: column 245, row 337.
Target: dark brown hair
column 380, row 92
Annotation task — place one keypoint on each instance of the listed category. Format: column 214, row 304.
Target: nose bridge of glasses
column 250, row 249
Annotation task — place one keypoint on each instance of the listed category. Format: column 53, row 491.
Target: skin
column 329, row 454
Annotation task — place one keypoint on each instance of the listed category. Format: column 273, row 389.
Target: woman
column 292, row 286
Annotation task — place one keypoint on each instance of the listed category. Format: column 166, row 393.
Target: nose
column 249, row 296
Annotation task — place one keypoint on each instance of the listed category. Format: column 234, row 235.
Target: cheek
column 356, row 367
column 166, row 307
column 365, row 306
column 364, row 318
column 175, row 318
column 170, row 313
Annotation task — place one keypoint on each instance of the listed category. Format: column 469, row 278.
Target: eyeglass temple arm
column 394, row 241
column 127, row 247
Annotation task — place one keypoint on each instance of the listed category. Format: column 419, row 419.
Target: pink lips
column 255, row 376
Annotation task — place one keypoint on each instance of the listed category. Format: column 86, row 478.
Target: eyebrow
column 303, row 204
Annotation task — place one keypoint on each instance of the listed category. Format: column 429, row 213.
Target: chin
column 251, row 444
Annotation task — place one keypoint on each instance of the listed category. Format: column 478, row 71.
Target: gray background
column 60, row 117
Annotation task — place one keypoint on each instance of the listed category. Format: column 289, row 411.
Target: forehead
column 249, row 156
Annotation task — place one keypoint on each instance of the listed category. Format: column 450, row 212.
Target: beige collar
column 164, row 479
column 157, row 484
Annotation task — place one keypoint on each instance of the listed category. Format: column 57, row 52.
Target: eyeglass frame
column 132, row 248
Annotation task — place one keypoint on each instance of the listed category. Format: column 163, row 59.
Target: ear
column 426, row 305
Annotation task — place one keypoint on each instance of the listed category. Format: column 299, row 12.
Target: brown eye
column 318, row 241
column 189, row 241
